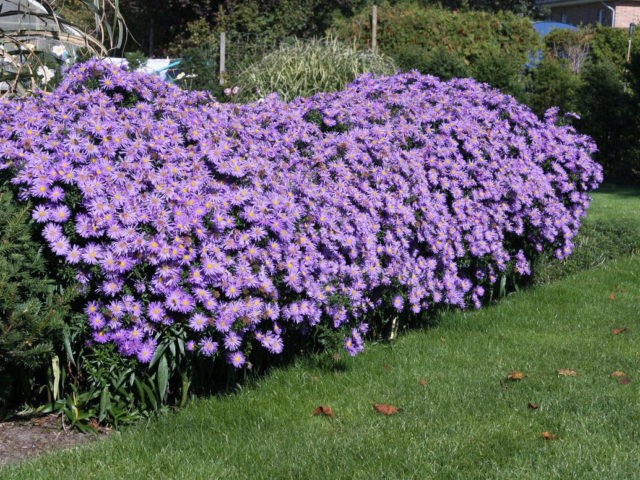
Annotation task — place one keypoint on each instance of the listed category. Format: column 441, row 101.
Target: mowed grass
column 461, row 417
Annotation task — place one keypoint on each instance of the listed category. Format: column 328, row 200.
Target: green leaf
column 163, row 378
column 157, row 355
column 104, row 404
column 67, row 346
column 55, row 368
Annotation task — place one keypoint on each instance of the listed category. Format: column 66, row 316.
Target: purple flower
column 232, row 341
column 40, row 214
column 398, row 303
column 270, row 220
column 208, row 347
column 236, row 359
column 198, row 322
column 146, row 351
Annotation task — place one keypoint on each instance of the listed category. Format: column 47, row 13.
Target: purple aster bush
column 241, row 223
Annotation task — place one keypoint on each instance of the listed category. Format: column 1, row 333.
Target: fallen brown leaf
column 618, row 374
column 386, row 368
column 322, row 410
column 422, row 382
column 612, row 296
column 533, row 406
column 566, row 372
column 385, row 409
column 618, row 331
column 515, row 375
column 443, row 339
column 548, row 436
column 94, row 425
column 624, row 381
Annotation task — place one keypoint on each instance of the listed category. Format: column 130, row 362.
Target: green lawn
column 468, row 421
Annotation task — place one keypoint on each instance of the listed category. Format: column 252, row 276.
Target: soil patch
column 24, row 439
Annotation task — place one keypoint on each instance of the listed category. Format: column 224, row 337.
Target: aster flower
column 100, row 336
column 232, row 341
column 236, row 359
column 208, row 347
column 52, row 232
column 40, row 214
column 398, row 302
column 283, row 222
column 273, row 343
column 146, row 351
column 155, row 311
column 198, row 322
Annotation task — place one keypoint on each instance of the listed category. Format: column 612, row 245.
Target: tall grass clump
column 303, row 68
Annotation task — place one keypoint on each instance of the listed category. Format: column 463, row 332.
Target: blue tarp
column 545, row 27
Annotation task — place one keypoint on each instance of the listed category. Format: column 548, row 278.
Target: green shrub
column 609, row 115
column 552, row 83
column 438, row 62
column 421, row 38
column 304, row 68
column 499, row 69
column 610, row 45
column 33, row 308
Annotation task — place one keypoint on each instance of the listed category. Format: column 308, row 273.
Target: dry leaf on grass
column 385, row 409
column 323, row 410
column 612, row 296
column 566, row 372
column 618, row 374
column 533, row 406
column 515, row 375
column 618, row 331
column 422, row 382
column 548, row 436
column 624, row 381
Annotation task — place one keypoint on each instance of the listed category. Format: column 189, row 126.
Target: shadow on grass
column 620, row 190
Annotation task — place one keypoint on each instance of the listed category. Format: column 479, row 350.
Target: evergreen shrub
column 33, row 307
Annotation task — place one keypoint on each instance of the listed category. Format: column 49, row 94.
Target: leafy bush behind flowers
column 221, row 229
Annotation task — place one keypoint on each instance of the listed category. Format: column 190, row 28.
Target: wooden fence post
column 374, row 27
column 223, row 52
